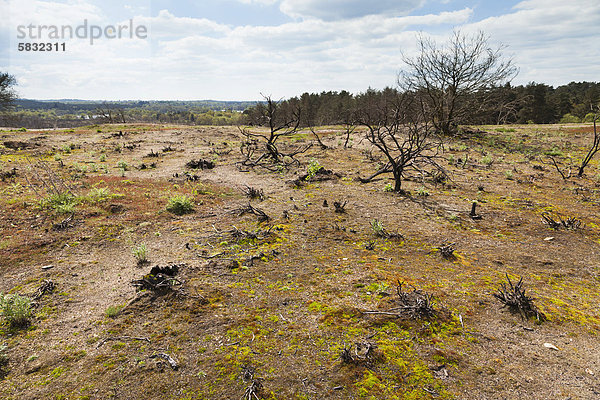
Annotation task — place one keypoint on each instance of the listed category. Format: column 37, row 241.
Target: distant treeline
column 533, row 103
column 67, row 113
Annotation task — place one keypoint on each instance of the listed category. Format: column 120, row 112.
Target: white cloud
column 166, row 24
column 191, row 58
column 260, row 2
column 345, row 9
column 51, row 13
column 552, row 41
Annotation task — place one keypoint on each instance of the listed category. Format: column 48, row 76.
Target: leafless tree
column 595, row 145
column 111, row 115
column 263, row 149
column 105, row 113
column 448, row 75
column 397, row 128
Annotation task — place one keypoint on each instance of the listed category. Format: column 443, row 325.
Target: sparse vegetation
column 62, row 203
column 422, row 191
column 16, row 310
column 180, row 204
column 4, row 361
column 113, row 311
column 377, row 227
column 140, row 252
column 123, row 165
column 299, row 282
column 313, row 168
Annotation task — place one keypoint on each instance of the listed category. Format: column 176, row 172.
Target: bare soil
column 267, row 308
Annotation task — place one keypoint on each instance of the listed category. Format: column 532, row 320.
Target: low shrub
column 16, row 309
column 180, row 205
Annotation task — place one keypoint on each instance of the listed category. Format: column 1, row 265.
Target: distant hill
column 70, row 106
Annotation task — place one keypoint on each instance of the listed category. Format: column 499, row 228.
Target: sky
column 238, row 49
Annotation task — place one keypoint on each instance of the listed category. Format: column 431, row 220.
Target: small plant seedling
column 113, row 311
column 180, row 205
column 140, row 253
column 378, row 228
column 123, row 165
column 421, row 191
column 313, row 168
column 63, row 203
column 16, row 309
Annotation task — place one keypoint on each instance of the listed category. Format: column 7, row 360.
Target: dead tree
column 397, row 127
column 111, row 115
column 106, row 114
column 594, row 148
column 449, row 75
column 264, row 149
column 121, row 114
column 321, row 144
column 348, row 117
column 566, row 174
column 349, row 129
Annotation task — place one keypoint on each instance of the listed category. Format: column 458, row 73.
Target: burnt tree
column 264, row 149
column 449, row 75
column 397, row 127
column 595, row 145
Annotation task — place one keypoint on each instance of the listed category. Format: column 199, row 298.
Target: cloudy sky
column 236, row 49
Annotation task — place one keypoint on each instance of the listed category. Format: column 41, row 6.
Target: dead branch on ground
column 64, row 224
column 360, row 353
column 172, row 363
column 45, row 288
column 514, row 297
column 249, row 209
column 447, row 250
column 414, row 304
column 557, row 221
column 253, row 391
column 254, row 193
column 113, row 338
column 200, row 164
column 340, row 207
column 160, row 280
column 564, row 174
